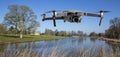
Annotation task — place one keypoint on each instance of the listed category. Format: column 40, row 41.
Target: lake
column 67, row 45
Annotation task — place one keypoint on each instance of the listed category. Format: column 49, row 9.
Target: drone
column 73, row 16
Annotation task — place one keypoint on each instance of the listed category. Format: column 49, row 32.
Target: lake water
column 66, row 45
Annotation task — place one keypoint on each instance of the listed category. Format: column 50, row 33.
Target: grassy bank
column 27, row 38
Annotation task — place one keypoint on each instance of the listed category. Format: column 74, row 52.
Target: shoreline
column 12, row 40
column 110, row 40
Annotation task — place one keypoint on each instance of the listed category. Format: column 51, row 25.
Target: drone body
column 73, row 16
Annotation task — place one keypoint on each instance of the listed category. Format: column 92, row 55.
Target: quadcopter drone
column 73, row 16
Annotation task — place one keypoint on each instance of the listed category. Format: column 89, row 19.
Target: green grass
column 27, row 38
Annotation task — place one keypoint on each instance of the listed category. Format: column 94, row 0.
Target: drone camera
column 76, row 19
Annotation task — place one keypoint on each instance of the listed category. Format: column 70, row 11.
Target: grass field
column 27, row 38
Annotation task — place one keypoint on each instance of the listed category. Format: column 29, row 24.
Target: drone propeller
column 53, row 11
column 104, row 11
column 101, row 13
column 54, row 15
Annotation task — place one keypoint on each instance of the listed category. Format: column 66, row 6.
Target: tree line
column 64, row 33
column 94, row 34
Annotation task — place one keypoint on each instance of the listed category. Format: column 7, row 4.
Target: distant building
column 35, row 33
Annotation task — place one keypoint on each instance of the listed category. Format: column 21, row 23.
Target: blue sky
column 88, row 24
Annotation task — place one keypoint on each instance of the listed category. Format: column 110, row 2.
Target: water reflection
column 67, row 44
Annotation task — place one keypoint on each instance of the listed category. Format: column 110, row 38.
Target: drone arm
column 50, row 18
column 95, row 15
column 91, row 14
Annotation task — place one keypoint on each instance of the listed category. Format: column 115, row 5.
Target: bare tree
column 21, row 17
column 114, row 29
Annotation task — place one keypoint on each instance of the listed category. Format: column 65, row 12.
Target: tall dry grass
column 79, row 52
